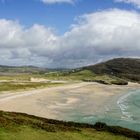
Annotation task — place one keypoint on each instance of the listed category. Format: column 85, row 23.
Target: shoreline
column 63, row 101
column 123, row 107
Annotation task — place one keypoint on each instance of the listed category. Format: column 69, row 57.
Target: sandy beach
column 58, row 102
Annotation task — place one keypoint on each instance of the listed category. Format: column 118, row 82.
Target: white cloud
column 18, row 43
column 97, row 36
column 134, row 2
column 102, row 35
column 57, row 1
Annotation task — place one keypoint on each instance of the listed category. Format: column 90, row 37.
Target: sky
column 68, row 33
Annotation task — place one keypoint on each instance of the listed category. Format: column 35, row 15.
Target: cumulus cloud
column 57, row 1
column 18, row 43
column 134, row 2
column 96, row 37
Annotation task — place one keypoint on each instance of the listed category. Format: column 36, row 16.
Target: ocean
column 124, row 112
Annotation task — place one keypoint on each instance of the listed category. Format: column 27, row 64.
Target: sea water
column 124, row 112
column 130, row 109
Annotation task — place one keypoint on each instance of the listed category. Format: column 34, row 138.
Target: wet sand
column 64, row 101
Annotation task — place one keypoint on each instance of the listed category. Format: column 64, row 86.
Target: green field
column 14, row 126
column 84, row 75
column 23, row 81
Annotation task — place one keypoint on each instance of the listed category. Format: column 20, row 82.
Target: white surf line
column 123, row 107
column 10, row 96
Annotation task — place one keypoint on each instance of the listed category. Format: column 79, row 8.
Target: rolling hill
column 125, row 68
column 21, row 69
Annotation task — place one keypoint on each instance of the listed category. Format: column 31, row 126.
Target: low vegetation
column 15, row 77
column 17, row 126
column 87, row 76
column 15, row 86
column 119, row 82
column 70, row 75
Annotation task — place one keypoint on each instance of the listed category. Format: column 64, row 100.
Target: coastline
column 121, row 103
column 65, row 101
column 77, row 102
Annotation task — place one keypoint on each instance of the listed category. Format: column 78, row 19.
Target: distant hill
column 125, row 68
column 21, row 69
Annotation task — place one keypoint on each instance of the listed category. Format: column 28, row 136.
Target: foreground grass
column 16, row 126
column 28, row 133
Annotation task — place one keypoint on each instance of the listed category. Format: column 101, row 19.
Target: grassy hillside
column 70, row 75
column 87, row 76
column 115, row 71
column 125, row 68
column 17, row 126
